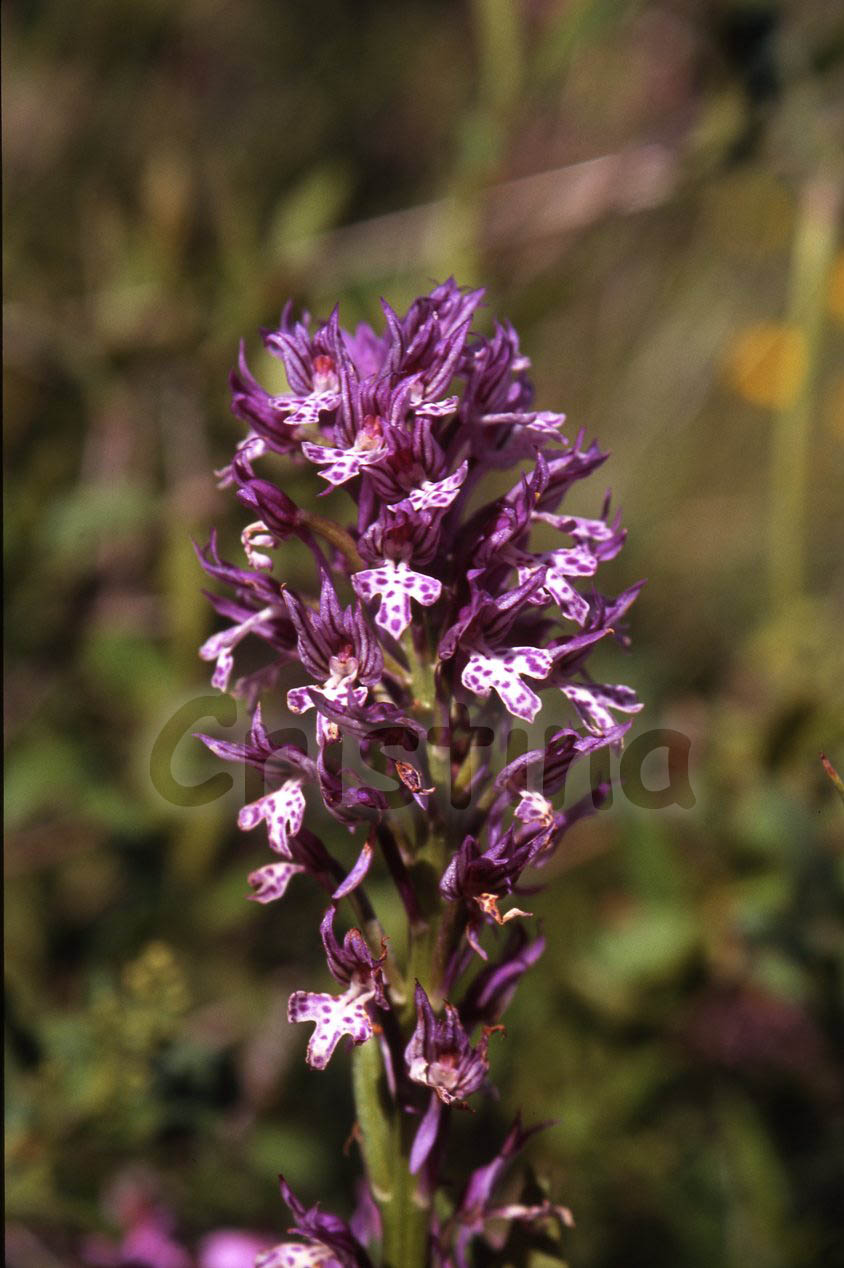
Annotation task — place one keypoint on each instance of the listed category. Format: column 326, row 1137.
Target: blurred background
column 652, row 192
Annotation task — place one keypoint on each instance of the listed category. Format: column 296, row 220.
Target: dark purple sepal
column 259, row 751
column 323, row 1229
column 477, row 1206
column 489, row 994
column 426, row 1134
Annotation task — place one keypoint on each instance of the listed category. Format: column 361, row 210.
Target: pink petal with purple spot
column 483, row 672
column 222, row 670
column 440, row 494
column 305, row 410
column 299, row 699
column 296, row 1255
column 534, row 808
column 344, row 463
column 219, row 646
column 396, row 584
column 270, row 882
column 593, row 702
column 282, row 811
column 577, row 527
column 571, row 604
column 437, row 409
column 334, row 1016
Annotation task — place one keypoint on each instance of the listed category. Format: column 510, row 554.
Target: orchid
column 439, row 616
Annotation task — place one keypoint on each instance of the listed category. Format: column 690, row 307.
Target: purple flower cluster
column 447, row 598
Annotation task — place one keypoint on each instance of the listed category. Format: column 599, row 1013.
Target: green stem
column 814, row 248
column 334, row 534
column 421, row 678
column 386, row 1131
column 373, row 1119
column 406, row 1218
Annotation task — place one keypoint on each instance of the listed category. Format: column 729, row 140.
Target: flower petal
column 283, row 812
column 437, row 409
column 593, row 702
column 299, row 699
column 270, row 882
column 305, row 410
column 296, row 1255
column 219, row 646
column 484, row 671
column 341, row 464
column 335, row 1016
column 436, row 495
column 558, row 588
column 534, row 808
column 426, row 1134
column 571, row 604
column 356, row 875
column 397, row 584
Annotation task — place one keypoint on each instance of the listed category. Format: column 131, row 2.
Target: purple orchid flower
column 477, row 1207
column 442, row 601
column 337, row 648
column 440, row 1056
column 329, row 1241
column 354, row 966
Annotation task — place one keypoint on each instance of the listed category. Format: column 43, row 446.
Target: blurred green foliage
column 173, row 173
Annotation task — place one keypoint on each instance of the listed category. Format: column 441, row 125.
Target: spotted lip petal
column 502, row 672
column 544, row 422
column 296, row 1255
column 219, row 647
column 437, row 409
column 534, row 808
column 304, row 411
column 341, row 465
column 594, row 702
column 300, row 700
column 283, row 812
column 396, row 583
column 335, row 1016
column 270, row 882
column 437, row 494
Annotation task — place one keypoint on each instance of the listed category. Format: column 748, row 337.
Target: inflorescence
column 436, row 620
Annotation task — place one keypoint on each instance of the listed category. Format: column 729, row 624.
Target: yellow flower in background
column 766, row 364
